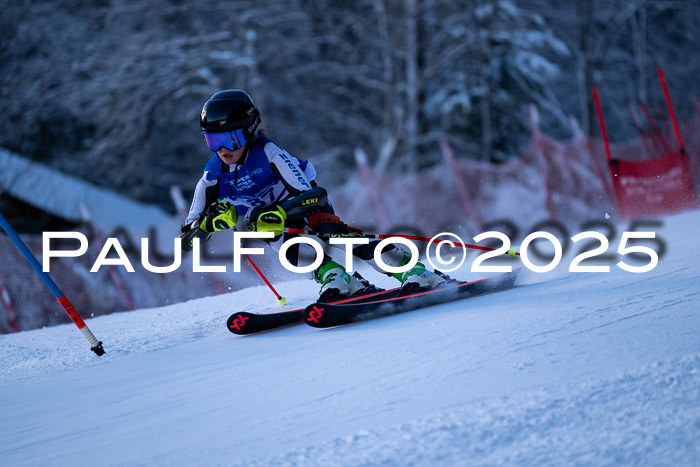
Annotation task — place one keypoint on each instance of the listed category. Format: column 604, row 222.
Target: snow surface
column 569, row 368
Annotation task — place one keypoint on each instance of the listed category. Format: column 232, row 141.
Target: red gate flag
column 654, row 187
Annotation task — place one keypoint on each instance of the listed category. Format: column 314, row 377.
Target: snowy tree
column 402, row 75
column 111, row 91
column 507, row 66
column 618, row 48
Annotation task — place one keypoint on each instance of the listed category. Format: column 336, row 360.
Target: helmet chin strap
column 244, row 156
column 240, row 162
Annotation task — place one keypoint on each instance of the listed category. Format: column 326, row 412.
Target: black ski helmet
column 231, row 110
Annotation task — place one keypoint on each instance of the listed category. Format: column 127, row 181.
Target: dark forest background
column 111, row 91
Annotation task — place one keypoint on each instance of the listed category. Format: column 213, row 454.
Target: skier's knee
column 326, row 223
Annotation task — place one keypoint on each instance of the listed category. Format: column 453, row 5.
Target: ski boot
column 368, row 286
column 337, row 284
column 418, row 279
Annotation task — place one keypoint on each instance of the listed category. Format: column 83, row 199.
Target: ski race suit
column 266, row 176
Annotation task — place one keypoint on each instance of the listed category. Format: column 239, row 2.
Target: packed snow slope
column 569, row 368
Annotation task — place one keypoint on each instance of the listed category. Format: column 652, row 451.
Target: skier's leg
column 417, row 277
column 335, row 281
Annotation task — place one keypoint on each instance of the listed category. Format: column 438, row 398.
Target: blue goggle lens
column 230, row 139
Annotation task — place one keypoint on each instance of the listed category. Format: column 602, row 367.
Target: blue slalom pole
column 95, row 345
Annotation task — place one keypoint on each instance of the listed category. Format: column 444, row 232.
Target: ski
column 243, row 322
column 325, row 315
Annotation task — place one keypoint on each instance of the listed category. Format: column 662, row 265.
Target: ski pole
column 95, row 345
column 280, row 299
column 382, row 236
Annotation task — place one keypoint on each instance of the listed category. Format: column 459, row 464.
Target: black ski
column 326, row 315
column 243, row 323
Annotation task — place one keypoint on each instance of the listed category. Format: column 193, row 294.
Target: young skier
column 251, row 183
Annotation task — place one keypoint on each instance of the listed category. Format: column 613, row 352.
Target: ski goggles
column 230, row 139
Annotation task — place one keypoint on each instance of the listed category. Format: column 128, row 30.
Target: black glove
column 189, row 233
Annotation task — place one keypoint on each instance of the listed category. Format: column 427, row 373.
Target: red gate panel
column 653, row 187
